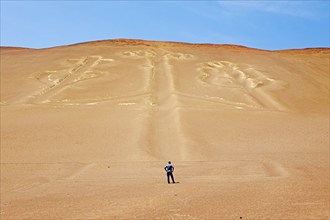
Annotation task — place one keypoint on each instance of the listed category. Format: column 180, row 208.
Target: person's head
column 169, row 162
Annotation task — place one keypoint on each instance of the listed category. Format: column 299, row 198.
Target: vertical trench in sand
column 163, row 136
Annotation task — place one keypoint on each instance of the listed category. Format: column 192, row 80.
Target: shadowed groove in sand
column 173, row 102
column 57, row 81
column 163, row 120
column 252, row 83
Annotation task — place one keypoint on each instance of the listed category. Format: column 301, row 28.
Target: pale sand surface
column 86, row 130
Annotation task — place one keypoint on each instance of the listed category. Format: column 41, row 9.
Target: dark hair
column 169, row 162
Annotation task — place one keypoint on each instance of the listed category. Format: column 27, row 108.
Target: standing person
column 169, row 168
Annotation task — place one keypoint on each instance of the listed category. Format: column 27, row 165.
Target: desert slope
column 86, row 130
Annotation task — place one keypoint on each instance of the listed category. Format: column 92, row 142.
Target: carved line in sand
column 161, row 100
column 256, row 85
column 215, row 74
column 172, row 102
column 55, row 81
column 149, row 68
column 221, row 74
column 163, row 59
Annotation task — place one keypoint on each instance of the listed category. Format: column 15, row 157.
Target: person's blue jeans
column 170, row 174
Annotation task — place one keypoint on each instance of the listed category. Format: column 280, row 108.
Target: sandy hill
column 86, row 130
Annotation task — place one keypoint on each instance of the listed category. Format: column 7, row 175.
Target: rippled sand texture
column 86, row 130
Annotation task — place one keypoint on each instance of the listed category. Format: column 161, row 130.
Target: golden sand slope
column 86, row 130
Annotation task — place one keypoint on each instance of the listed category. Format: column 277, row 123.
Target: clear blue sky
column 259, row 24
